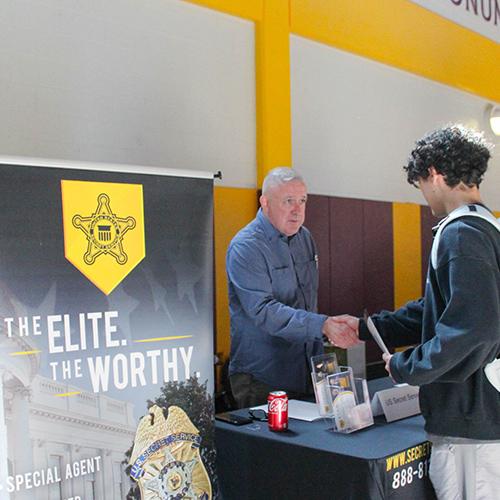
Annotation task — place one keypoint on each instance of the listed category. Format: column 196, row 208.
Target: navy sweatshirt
column 457, row 326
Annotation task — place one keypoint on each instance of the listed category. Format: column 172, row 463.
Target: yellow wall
column 233, row 209
column 402, row 34
column 395, row 32
column 407, row 252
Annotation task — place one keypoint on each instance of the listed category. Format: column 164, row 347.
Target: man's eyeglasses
column 259, row 415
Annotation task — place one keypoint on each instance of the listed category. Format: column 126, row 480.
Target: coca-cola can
column 277, row 411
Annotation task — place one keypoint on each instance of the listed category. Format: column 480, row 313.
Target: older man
column 272, row 268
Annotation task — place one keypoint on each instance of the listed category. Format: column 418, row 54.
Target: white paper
column 376, row 336
column 301, row 410
column 376, row 406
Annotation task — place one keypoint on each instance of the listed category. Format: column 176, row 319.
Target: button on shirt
column 273, row 287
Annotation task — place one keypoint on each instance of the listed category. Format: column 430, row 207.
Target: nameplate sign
column 397, row 402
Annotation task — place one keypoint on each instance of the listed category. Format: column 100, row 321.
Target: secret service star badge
column 104, row 232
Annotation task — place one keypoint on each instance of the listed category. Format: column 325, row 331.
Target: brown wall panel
column 318, row 222
column 378, row 256
column 378, row 277
column 346, row 256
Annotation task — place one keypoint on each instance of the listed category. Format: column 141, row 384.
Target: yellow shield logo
column 103, row 230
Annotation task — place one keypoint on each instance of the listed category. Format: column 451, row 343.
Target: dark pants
column 248, row 391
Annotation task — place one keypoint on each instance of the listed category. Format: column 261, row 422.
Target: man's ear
column 432, row 171
column 434, row 176
column 263, row 201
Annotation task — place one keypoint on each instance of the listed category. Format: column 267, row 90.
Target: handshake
column 342, row 331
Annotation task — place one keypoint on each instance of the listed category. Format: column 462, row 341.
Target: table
column 309, row 461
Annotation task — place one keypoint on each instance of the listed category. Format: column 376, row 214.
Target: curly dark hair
column 458, row 153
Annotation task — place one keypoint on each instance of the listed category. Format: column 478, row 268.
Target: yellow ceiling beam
column 404, row 35
column 247, row 9
column 274, row 141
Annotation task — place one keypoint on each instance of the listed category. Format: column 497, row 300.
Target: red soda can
column 277, row 411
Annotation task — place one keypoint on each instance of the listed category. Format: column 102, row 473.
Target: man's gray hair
column 278, row 176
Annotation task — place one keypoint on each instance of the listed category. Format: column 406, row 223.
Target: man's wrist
column 318, row 325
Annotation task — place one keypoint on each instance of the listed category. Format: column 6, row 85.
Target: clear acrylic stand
column 322, row 366
column 350, row 401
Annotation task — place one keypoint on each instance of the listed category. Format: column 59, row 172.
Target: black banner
column 106, row 341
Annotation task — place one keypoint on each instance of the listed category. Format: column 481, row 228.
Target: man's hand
column 387, row 359
column 342, row 331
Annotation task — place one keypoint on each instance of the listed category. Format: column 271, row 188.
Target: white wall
column 171, row 84
column 354, row 121
column 157, row 82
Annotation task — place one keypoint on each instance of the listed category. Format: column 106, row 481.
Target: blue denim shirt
column 273, row 287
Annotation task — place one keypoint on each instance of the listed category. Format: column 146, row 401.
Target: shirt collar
column 269, row 230
column 436, row 227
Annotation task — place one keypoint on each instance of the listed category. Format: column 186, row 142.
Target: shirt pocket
column 307, row 273
column 284, row 284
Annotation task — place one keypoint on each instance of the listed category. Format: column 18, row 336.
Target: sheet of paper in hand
column 375, row 334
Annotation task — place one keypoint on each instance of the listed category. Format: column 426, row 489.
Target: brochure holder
column 350, row 401
column 322, row 366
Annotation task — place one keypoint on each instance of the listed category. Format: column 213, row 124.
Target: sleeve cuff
column 316, row 325
column 395, row 374
column 364, row 333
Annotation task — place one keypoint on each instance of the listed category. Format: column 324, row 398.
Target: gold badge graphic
column 103, row 229
column 166, row 459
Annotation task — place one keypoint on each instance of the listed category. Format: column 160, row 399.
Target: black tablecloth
column 310, row 461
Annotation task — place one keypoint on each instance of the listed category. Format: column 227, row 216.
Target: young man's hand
column 387, row 359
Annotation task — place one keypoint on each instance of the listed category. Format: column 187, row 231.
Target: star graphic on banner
column 187, row 272
column 104, row 231
column 159, row 294
column 43, row 309
column 123, row 302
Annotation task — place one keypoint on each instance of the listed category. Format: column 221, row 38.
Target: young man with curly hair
column 457, row 322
